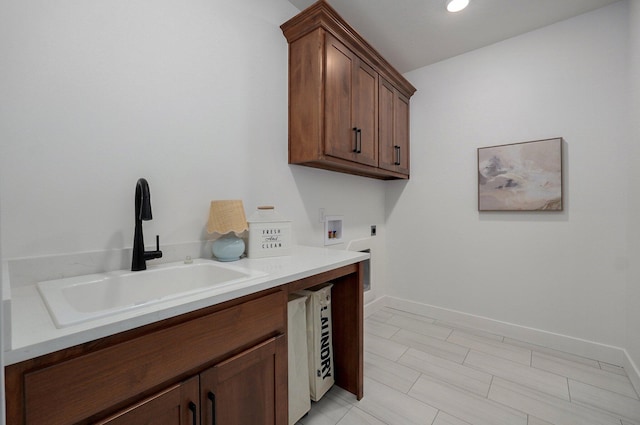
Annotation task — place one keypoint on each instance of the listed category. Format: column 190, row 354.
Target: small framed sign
column 269, row 234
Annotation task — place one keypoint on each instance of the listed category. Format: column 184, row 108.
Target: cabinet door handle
column 355, row 141
column 194, row 412
column 397, row 152
column 359, row 141
column 211, row 396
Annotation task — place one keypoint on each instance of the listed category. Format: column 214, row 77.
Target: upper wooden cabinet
column 351, row 130
column 348, row 108
column 393, row 128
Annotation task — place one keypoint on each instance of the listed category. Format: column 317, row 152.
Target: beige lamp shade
column 227, row 216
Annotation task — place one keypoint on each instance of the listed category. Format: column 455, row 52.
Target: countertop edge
column 303, row 263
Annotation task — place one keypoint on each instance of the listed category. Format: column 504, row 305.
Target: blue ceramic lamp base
column 228, row 248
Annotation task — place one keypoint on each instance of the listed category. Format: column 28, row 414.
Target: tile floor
column 422, row 371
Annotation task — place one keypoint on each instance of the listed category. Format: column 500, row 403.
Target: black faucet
column 143, row 212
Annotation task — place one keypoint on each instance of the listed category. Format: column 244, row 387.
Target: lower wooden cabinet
column 126, row 375
column 223, row 365
column 238, row 391
column 241, row 390
column 174, row 406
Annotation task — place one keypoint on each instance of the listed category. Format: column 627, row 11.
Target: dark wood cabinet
column 177, row 405
column 231, row 357
column 109, row 377
column 351, row 130
column 393, row 128
column 336, row 89
column 237, row 391
column 241, row 390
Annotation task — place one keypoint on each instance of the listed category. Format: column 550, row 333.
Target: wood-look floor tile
column 473, row 331
column 388, row 372
column 535, row 421
column 446, row 419
column 546, row 407
column 414, row 376
column 356, row 416
column 420, row 327
column 466, row 378
column 343, row 394
column 434, row 346
column 618, row 370
column 619, row 405
column 383, row 330
column 379, row 316
column 396, row 312
column 393, row 407
column 490, row 346
column 329, row 410
column 580, row 372
column 537, row 379
column 464, row 405
column 552, row 352
column 389, row 349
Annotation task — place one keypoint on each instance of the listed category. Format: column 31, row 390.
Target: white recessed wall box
column 332, row 229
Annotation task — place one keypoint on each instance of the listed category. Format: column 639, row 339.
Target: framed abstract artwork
column 521, row 176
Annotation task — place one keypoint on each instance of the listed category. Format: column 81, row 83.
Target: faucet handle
column 150, row 255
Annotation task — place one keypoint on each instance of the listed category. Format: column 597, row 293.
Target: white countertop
column 33, row 332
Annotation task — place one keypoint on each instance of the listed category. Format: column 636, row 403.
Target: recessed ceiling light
column 456, row 5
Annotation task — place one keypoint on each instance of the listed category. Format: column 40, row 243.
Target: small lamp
column 227, row 219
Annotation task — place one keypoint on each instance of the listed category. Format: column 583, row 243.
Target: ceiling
column 411, row 34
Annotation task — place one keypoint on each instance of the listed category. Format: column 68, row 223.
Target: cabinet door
column 393, row 128
column 365, row 111
column 401, row 132
column 175, row 406
column 246, row 388
column 351, row 90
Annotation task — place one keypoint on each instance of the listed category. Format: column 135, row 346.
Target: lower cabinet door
column 245, row 388
column 176, row 405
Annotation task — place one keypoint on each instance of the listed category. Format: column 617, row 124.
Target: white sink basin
column 79, row 299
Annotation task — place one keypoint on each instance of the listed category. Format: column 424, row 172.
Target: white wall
column 559, row 272
column 2, row 397
column 633, row 284
column 191, row 95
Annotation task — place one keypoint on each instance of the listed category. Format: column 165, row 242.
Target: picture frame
column 525, row 176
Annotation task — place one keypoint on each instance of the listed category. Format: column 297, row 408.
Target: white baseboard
column 374, row 305
column 580, row 347
column 632, row 371
column 577, row 346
